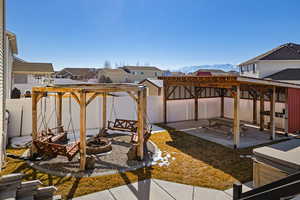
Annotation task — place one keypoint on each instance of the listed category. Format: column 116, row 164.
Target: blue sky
column 165, row 33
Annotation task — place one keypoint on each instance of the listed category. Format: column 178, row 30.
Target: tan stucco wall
column 115, row 77
column 138, row 76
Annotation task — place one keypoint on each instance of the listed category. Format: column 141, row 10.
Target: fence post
column 237, row 191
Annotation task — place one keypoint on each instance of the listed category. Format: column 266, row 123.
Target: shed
column 154, row 86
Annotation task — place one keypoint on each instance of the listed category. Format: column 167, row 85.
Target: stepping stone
column 146, row 189
column 45, row 193
column 211, row 194
column 103, row 195
column 176, row 190
column 27, row 190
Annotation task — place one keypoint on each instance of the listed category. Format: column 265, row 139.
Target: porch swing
column 127, row 125
column 50, row 144
column 124, row 125
column 47, row 134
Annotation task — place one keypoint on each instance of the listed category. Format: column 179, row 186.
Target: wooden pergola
column 84, row 95
column 236, row 87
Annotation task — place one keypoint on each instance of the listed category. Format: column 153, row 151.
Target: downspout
column 2, row 83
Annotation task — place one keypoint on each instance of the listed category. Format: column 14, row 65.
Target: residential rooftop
column 288, row 51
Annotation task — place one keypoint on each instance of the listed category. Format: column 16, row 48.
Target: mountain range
column 224, row 67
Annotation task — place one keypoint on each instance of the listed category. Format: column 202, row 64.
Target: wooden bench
column 49, row 136
column 218, row 123
column 123, row 125
column 52, row 149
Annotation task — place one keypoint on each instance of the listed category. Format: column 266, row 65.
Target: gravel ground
column 116, row 160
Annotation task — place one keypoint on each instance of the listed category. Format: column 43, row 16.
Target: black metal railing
column 286, row 187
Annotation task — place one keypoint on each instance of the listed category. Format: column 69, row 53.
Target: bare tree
column 107, row 65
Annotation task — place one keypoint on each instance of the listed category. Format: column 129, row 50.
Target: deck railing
column 286, row 187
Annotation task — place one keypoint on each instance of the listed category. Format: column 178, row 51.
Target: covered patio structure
column 238, row 87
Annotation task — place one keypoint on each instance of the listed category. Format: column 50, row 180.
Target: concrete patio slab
column 146, row 190
column 186, row 191
column 252, row 137
column 103, row 195
column 211, row 194
column 153, row 189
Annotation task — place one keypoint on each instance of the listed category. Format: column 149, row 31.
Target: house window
column 155, row 73
column 142, row 73
column 254, row 68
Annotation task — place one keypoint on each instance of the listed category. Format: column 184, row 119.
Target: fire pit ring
column 98, row 146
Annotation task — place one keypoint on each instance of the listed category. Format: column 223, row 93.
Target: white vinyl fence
column 119, row 107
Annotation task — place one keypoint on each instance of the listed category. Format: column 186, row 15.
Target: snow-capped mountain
column 224, row 67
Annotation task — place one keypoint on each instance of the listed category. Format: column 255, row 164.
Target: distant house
column 169, row 73
column 10, row 51
column 286, row 56
column 31, row 72
column 154, row 86
column 139, row 73
column 83, row 74
column 25, row 75
column 113, row 75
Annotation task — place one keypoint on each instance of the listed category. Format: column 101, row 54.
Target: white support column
column 272, row 113
column 236, row 118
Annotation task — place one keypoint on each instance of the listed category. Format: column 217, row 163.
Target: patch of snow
column 162, row 158
column 20, row 142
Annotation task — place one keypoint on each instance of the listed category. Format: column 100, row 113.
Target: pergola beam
column 75, row 97
column 272, row 113
column 262, row 109
column 166, row 88
column 82, row 130
column 236, row 118
column 196, row 104
column 133, row 96
column 141, row 123
column 59, row 110
column 104, row 111
column 34, row 96
column 92, row 98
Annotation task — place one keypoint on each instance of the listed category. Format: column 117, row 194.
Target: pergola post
column 104, row 111
column 141, row 121
column 196, row 104
column 236, row 118
column 286, row 115
column 82, row 130
column 262, row 109
column 222, row 103
column 254, row 110
column 34, row 97
column 272, row 113
column 59, row 110
column 166, row 88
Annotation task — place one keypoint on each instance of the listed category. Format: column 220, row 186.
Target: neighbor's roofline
column 13, row 41
column 261, row 56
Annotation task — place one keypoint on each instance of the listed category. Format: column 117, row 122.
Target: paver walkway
column 153, row 189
